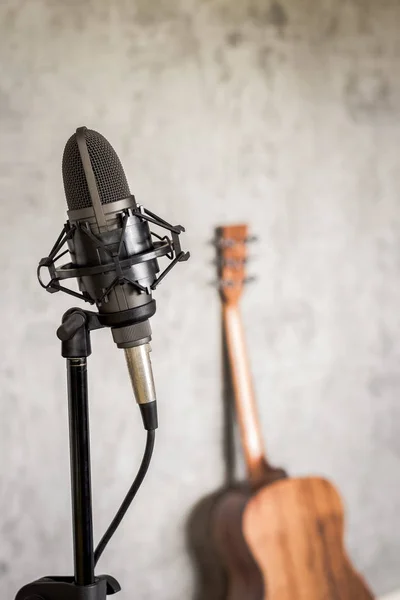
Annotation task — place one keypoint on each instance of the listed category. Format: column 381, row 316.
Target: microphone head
column 109, row 174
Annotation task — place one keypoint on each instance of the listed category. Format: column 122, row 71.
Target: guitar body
column 294, row 529
column 285, row 542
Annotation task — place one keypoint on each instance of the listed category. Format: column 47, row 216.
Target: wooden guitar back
column 294, row 529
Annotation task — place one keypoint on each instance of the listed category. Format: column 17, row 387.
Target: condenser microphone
column 114, row 255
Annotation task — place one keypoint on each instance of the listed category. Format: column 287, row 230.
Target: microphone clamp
column 162, row 246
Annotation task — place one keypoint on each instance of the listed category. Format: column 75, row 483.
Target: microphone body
column 113, row 254
column 106, row 229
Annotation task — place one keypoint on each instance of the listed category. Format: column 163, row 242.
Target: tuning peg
column 250, row 279
column 229, row 243
column 252, row 238
column 217, row 283
column 224, row 243
column 229, row 283
column 215, row 241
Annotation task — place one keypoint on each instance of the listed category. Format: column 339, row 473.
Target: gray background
column 281, row 114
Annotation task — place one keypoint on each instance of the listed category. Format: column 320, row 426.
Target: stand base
column 64, row 588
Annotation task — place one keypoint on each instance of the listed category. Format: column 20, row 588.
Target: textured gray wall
column 282, row 114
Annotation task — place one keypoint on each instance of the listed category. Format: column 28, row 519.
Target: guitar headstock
column 231, row 243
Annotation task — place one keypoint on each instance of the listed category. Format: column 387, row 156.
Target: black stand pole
column 75, row 336
column 80, row 471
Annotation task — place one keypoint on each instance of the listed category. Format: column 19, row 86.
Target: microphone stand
column 74, row 334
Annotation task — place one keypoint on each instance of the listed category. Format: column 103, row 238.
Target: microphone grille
column 107, row 169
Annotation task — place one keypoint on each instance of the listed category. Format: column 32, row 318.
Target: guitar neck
column 258, row 468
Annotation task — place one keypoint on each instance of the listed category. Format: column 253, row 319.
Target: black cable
column 148, row 451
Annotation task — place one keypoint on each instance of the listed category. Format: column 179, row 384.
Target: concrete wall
column 394, row 596
column 283, row 114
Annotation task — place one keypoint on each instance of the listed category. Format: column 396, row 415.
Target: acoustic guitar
column 275, row 537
